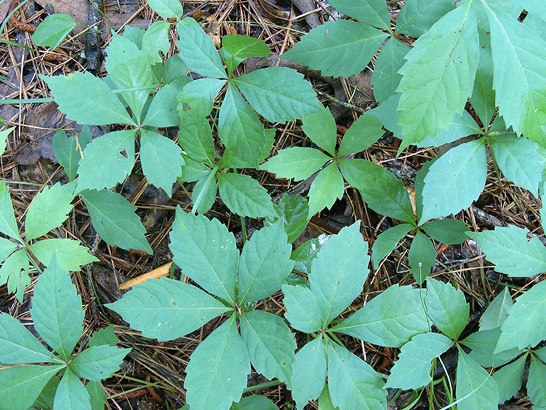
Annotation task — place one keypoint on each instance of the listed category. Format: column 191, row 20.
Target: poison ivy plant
column 28, row 367
column 166, row 309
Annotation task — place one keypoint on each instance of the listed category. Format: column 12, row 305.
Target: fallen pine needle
column 153, row 274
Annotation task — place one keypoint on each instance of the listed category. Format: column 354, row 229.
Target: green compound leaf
column 439, row 74
column 302, row 309
column 421, row 257
column 57, row 310
column 497, row 312
column 519, row 64
column 166, row 8
column 293, row 210
column 379, row 188
column 510, row 378
column 99, row 362
column 278, row 94
column 519, row 160
column 197, row 98
column 511, row 252
column 476, row 389
column 339, row 272
column 69, row 253
column 196, row 140
column 352, row 382
column 18, row 345
column 53, row 30
column 523, row 326
column 20, row 386
column 417, row 16
column 71, row 394
column 385, row 77
column 14, row 271
column 296, row 162
column 244, row 196
column 337, row 48
column 167, row 309
column 240, row 129
column 236, row 48
column 204, row 193
column 372, row 12
column 264, row 264
column 270, row 345
column 387, row 241
column 155, row 42
column 107, row 160
column 327, row 187
column 390, row 319
column 87, row 99
column 218, row 369
column 8, row 225
column 161, row 160
column 206, row 252
column 163, row 110
column 361, row 135
column 412, row 369
column 309, row 372
column 455, row 180
column 69, row 151
column 254, row 403
column 321, row 129
column 447, row 307
column 198, row 51
column 536, row 383
column 55, row 202
column 448, row 231
column 115, row 220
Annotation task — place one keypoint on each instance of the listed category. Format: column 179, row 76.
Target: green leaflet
column 196, row 140
column 519, row 160
column 337, row 48
column 206, row 252
column 53, row 30
column 71, row 394
column 69, row 151
column 161, row 160
column 193, row 171
column 483, row 96
column 497, row 312
column 412, row 369
column 236, row 48
column 107, row 160
column 166, row 309
column 196, row 99
column 296, row 162
column 448, row 231
column 163, row 110
column 97, row 396
column 309, row 372
column 454, row 180
column 98, row 362
column 325, row 401
column 264, row 264
column 8, row 225
column 483, row 345
column 421, row 257
column 254, row 403
column 57, row 310
column 448, row 54
column 476, row 389
column 105, row 336
column 243, row 195
column 47, row 395
column 523, row 326
column 372, row 12
column 69, row 253
column 294, row 211
column 278, row 94
column 321, row 129
column 7, row 247
column 218, row 369
column 510, row 378
column 21, row 385
column 361, row 135
column 115, row 220
column 18, row 345
column 204, row 193
column 461, row 126
column 3, row 135
column 197, row 50
column 14, row 271
column 270, row 344
column 417, row 16
column 166, row 8
column 390, row 319
column 327, row 187
column 352, row 382
column 511, row 252
column 536, row 385
column 306, row 254
column 155, row 42
column 387, row 241
column 87, row 99
column 385, row 77
column 55, row 202
column 447, row 308
column 302, row 309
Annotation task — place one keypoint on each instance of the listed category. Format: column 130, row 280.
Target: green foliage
column 58, row 317
column 3, row 135
column 53, row 30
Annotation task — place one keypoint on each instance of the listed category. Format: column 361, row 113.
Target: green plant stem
column 337, row 101
column 243, row 229
column 262, row 386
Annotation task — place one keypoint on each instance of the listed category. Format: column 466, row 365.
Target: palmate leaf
column 87, row 99
column 337, row 48
column 206, row 252
column 8, row 225
column 385, row 77
column 372, row 12
column 69, row 253
column 68, row 151
column 447, row 307
column 387, row 241
column 439, row 74
column 309, row 372
column 476, row 389
column 417, row 16
column 264, row 264
column 161, row 159
column 218, row 369
column 327, row 187
column 57, row 310
column 167, row 309
column 278, row 94
column 511, row 252
column 99, row 362
column 296, row 162
column 519, row 64
column 115, row 220
column 390, row 319
column 243, row 195
column 270, row 344
column 302, row 308
column 412, row 369
column 71, row 394
column 321, row 129
column 509, row 379
column 421, row 257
